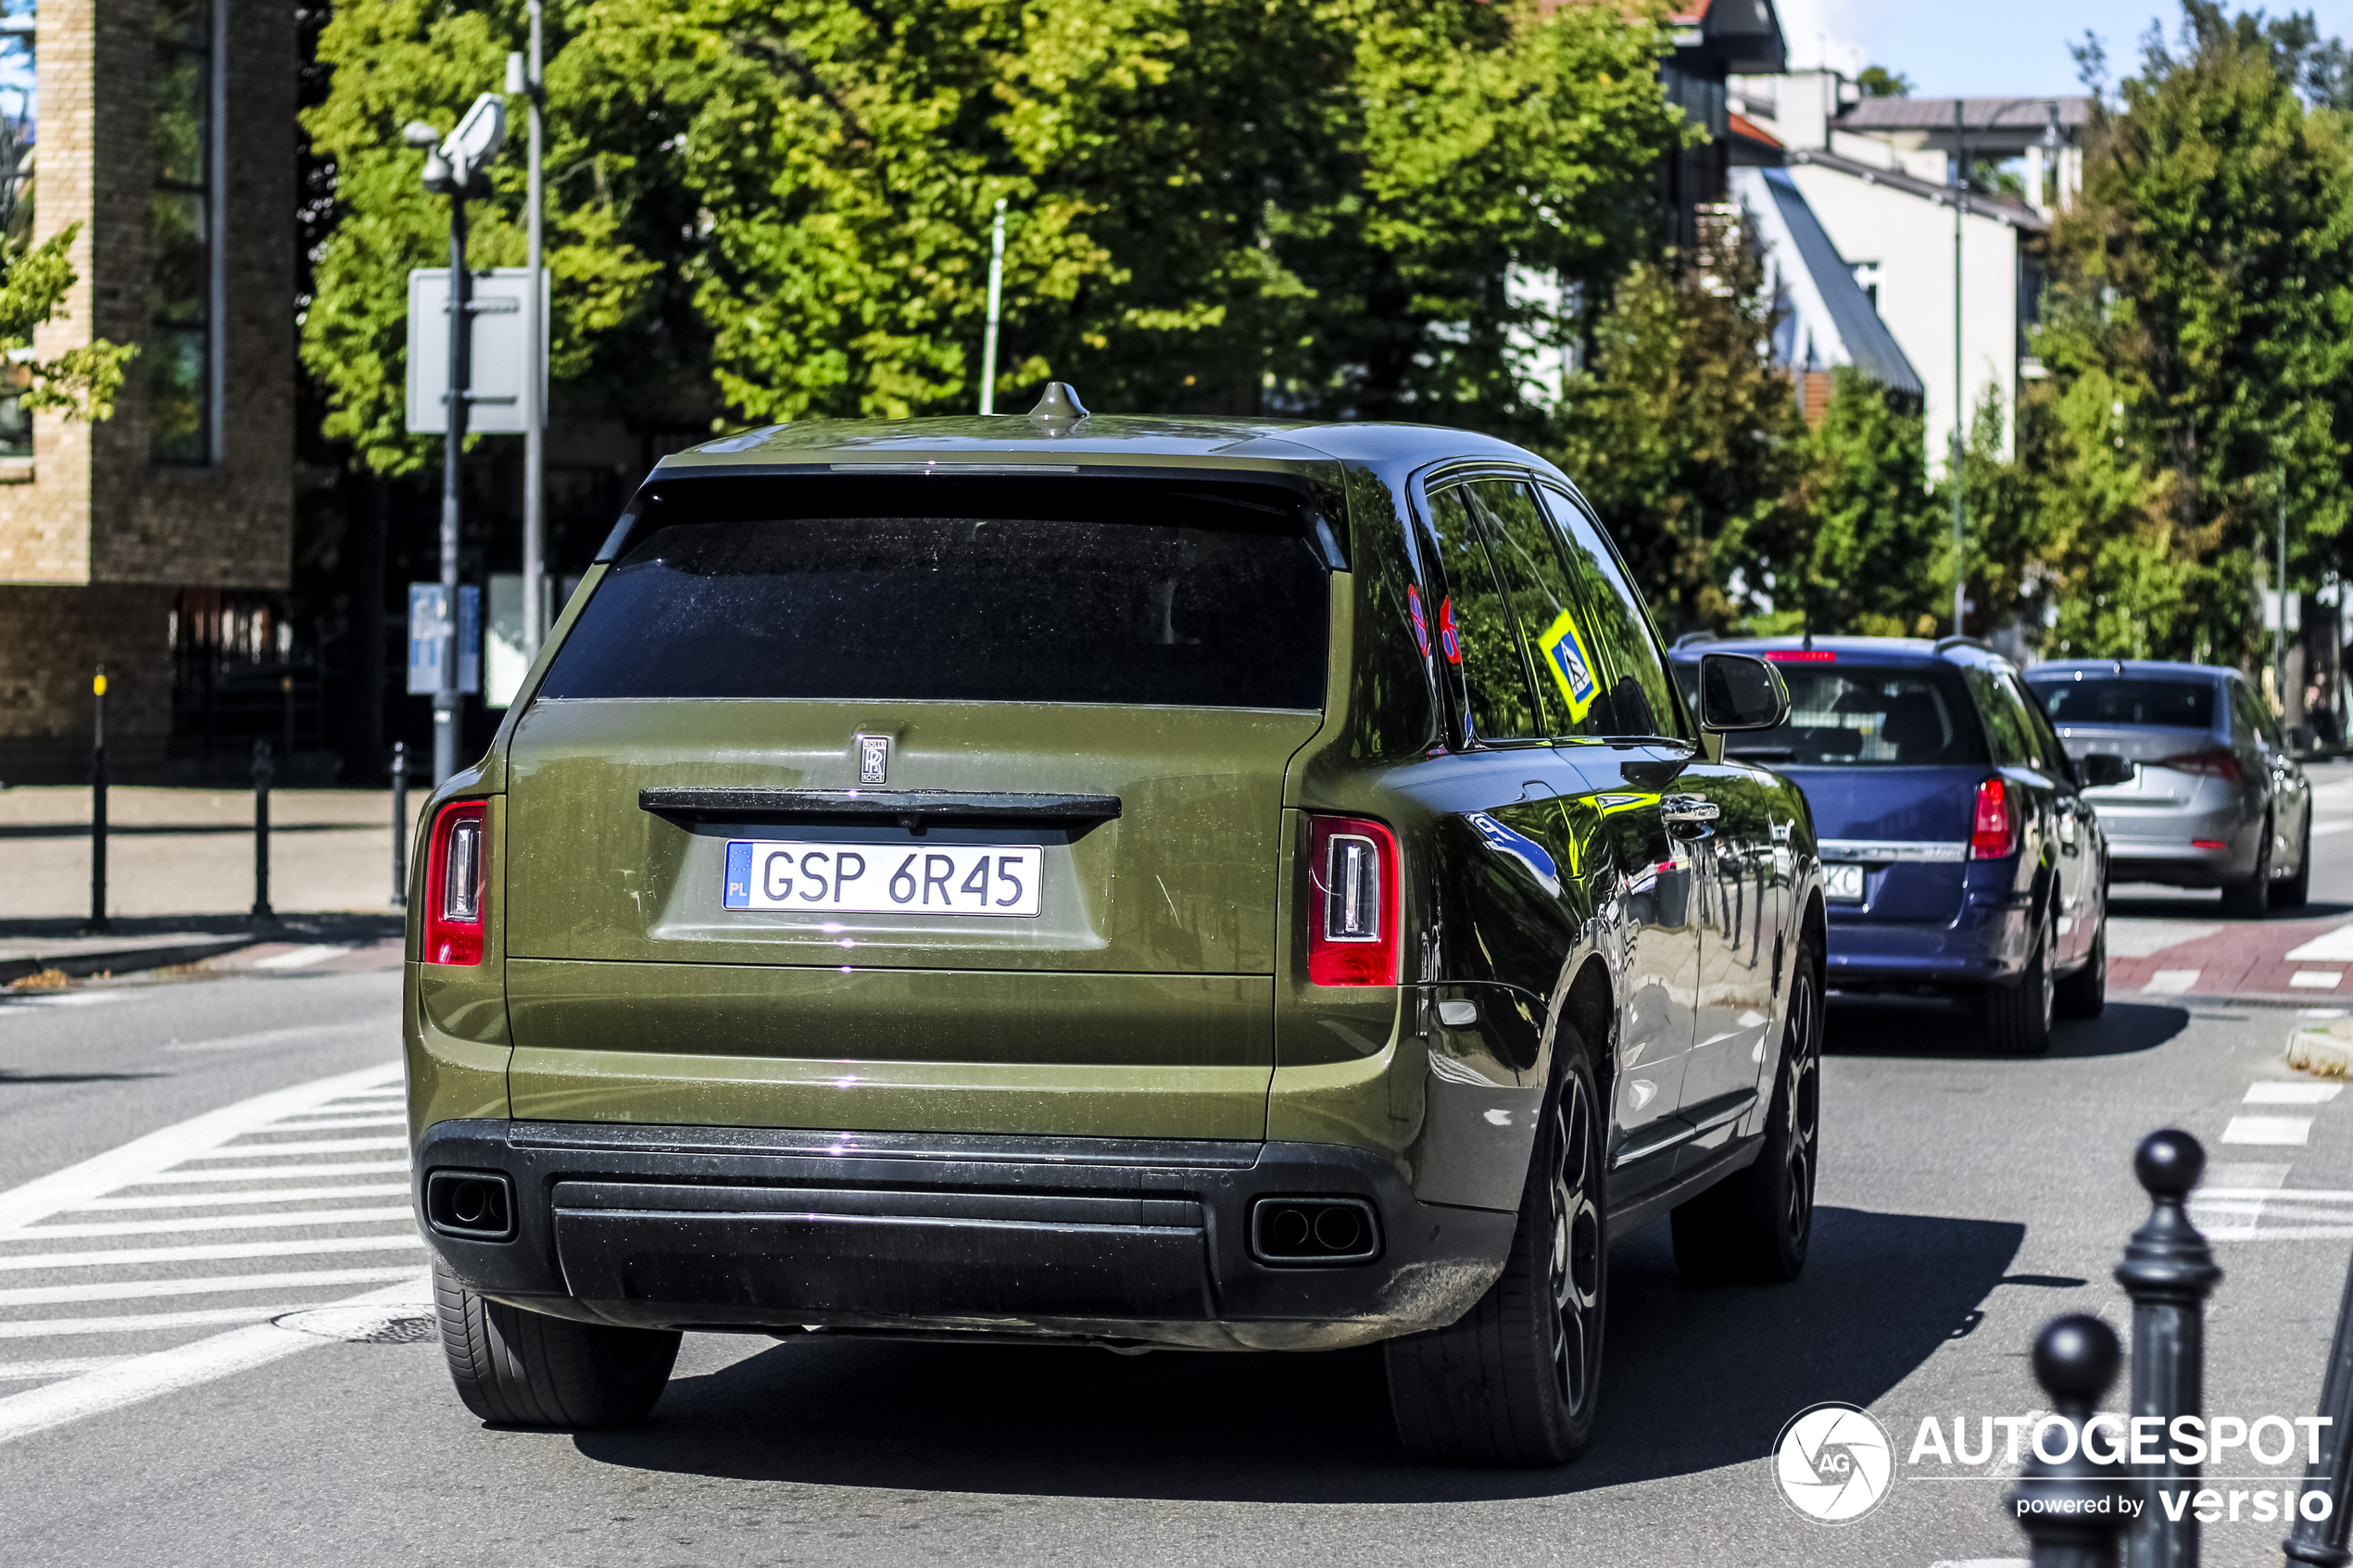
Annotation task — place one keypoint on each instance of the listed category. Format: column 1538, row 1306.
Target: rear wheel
column 2084, row 993
column 2018, row 1016
column 1755, row 1227
column 2296, row 891
column 1516, row 1380
column 2251, row 900
column 524, row 1369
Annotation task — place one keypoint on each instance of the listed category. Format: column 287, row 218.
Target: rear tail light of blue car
column 1993, row 832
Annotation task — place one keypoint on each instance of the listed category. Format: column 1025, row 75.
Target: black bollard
column 98, row 924
column 400, row 824
column 2169, row 1271
column 261, row 772
column 2321, row 1541
column 2072, row 1510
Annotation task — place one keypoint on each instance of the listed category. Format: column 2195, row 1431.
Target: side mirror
column 2100, row 770
column 1740, row 691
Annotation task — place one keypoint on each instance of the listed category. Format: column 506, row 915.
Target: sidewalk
column 180, row 873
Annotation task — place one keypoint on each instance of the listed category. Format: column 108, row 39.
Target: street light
column 454, row 167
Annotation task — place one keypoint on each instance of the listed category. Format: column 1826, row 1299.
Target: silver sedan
column 2214, row 800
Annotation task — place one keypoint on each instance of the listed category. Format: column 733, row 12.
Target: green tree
column 1683, row 433
column 1878, row 81
column 1872, row 555
column 82, row 381
column 2201, row 324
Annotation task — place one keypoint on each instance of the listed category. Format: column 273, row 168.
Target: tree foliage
column 82, row 381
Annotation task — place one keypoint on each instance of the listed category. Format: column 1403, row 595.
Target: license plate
column 883, row 879
column 1844, row 883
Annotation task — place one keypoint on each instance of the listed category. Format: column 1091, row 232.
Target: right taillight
column 457, row 858
column 1353, row 906
column 2214, row 762
column 1993, row 831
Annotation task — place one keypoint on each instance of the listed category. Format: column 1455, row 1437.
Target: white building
column 1876, row 173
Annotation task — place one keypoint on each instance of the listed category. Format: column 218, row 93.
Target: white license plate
column 883, row 879
column 1843, row 882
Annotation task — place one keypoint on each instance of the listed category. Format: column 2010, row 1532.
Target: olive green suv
column 1194, row 883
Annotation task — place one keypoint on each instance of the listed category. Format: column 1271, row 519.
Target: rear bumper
column 1105, row 1239
column 1988, row 945
column 2145, row 845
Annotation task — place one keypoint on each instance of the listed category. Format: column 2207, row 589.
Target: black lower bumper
column 1109, row 1239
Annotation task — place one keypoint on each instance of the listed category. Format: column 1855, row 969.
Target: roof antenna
column 1060, row 407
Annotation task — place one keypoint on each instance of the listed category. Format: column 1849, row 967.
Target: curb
column 2322, row 1050
column 128, row 960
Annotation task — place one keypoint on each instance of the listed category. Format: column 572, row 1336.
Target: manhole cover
column 386, row 1324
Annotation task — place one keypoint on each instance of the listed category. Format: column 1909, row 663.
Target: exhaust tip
column 1313, row 1232
column 474, row 1205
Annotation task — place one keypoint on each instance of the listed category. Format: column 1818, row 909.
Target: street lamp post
column 996, row 293
column 1953, row 470
column 454, row 167
column 528, row 83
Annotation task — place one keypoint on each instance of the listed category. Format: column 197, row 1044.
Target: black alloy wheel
column 2018, row 1016
column 1755, row 1227
column 1516, row 1380
column 1574, row 1186
column 2294, row 892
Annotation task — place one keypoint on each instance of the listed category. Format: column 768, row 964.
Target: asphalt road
column 1964, row 1201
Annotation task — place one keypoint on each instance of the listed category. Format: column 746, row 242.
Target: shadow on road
column 1696, row 1379
column 1907, row 1026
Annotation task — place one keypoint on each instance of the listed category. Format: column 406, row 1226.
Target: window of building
column 17, row 103
column 182, row 303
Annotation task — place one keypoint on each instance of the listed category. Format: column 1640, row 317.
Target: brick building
column 152, row 542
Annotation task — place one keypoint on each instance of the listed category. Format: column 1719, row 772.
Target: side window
column 1527, row 560
column 2038, row 724
column 2252, row 718
column 1474, row 630
column 1637, row 698
column 2005, row 726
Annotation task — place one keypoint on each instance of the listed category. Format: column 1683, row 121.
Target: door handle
column 1681, row 809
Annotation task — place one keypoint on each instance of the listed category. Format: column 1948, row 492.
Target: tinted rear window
column 956, row 610
column 2178, row 703
column 1854, row 716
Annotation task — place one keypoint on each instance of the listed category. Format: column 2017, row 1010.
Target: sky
column 1990, row 47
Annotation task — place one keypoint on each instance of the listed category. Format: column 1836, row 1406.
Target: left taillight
column 456, row 867
column 1353, row 906
column 1994, row 833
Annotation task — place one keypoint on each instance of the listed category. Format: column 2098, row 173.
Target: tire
column 1754, row 1227
column 2251, row 900
column 2084, row 993
column 2296, row 891
column 2018, row 1016
column 1515, row 1381
column 524, row 1369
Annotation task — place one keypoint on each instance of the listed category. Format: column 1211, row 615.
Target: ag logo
column 1834, row 1463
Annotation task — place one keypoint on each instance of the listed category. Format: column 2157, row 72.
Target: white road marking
column 2171, row 983
column 217, row 1222
column 299, row 957
column 2267, row 1129
column 211, row 1284
column 138, row 1323
column 2322, row 829
column 2146, row 938
column 276, row 1172
column 18, row 1372
column 143, row 1377
column 208, row 1200
column 306, row 1035
column 331, row 1123
column 298, row 1146
column 2331, row 946
column 2292, row 1093
column 205, row 1253
column 143, row 1159
column 2315, row 979
column 75, row 998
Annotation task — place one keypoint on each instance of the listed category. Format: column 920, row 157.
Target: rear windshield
column 2126, row 699
column 1851, row 715
column 956, row 610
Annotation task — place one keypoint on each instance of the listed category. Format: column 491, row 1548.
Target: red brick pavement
column 2244, row 959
